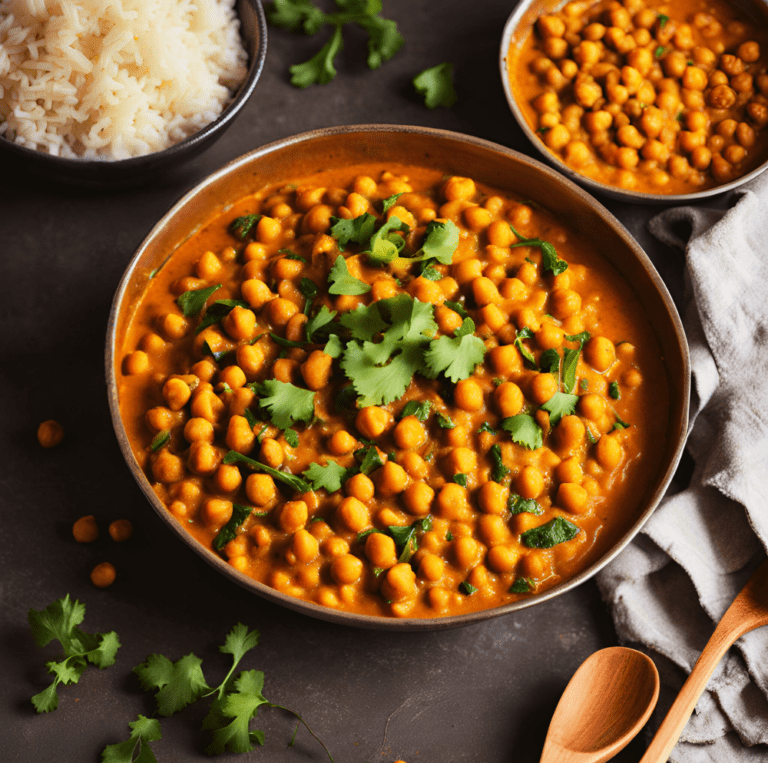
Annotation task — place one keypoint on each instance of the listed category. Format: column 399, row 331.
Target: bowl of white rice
column 106, row 93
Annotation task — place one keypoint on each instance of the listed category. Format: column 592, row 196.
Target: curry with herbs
column 392, row 392
column 647, row 95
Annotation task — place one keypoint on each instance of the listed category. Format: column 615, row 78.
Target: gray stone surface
column 482, row 693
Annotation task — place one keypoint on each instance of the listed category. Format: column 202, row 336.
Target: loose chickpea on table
column 430, row 501
column 657, row 97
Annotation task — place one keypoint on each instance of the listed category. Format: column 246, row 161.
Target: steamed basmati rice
column 113, row 79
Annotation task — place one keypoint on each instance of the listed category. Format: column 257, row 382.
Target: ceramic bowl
column 516, row 30
column 124, row 173
column 453, row 153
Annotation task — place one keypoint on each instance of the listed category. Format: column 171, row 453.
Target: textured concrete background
column 482, row 693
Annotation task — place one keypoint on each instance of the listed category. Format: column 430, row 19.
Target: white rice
column 112, row 79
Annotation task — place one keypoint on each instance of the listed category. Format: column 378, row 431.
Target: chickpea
column 418, row 497
column 372, row 422
column 292, row 516
column 391, row 479
column 721, row 97
column 447, row 320
column 281, row 311
column 592, row 406
column 399, row 583
column 103, row 575
column 431, row 567
column 271, row 452
column 742, row 83
column 600, row 353
column 136, row 362
column 735, row 154
column 543, row 386
column 564, row 303
column 120, row 530
column 85, row 530
column 678, row 167
column 502, row 558
column 492, row 498
column 316, row 370
column 216, row 512
column 508, row 399
column 342, row 442
column 240, row 436
column 608, row 452
column 748, row 52
column 459, row 189
column 380, row 550
column 587, row 91
column 452, row 502
column 695, row 78
column 572, row 497
column 260, row 489
column 745, row 135
column 361, row 487
column 409, row 433
column 415, row 465
column 346, row 569
column 570, row 432
column 50, row 433
column 466, row 552
column 468, row 395
column 577, row 153
column 477, row 218
column 557, row 137
column 569, row 470
column 227, row 478
column 550, row 26
column 758, row 113
column 529, row 482
column 256, row 293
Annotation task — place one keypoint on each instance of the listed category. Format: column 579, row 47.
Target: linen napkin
column 677, row 578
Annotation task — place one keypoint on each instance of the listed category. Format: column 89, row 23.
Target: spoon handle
column 730, row 628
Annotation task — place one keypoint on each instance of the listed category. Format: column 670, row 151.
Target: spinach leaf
column 516, row 504
column 229, row 531
column 557, row 530
column 192, row 302
column 218, row 310
column 291, row 480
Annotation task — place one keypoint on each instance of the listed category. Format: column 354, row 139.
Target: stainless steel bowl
column 124, row 173
column 487, row 162
column 517, row 28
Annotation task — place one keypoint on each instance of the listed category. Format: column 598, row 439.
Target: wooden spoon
column 748, row 611
column 604, row 706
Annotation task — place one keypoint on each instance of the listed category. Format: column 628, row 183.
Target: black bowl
column 123, row 173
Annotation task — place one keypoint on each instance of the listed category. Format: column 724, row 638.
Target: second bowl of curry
column 378, row 385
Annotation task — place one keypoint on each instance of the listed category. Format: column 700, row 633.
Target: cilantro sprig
column 384, row 40
column 192, row 302
column 456, row 356
column 59, row 621
column 436, row 85
column 549, row 259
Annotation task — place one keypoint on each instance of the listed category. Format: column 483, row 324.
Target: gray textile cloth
column 670, row 586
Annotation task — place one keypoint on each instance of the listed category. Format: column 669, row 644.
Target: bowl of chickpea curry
column 397, row 377
column 645, row 100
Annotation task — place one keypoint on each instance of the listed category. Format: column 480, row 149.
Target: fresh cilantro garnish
column 499, row 471
column 460, row 479
column 431, row 274
column 381, row 372
column 291, row 437
column 549, row 362
column 456, row 356
column 441, row 239
column 406, row 538
column 225, row 387
column 291, row 480
column 559, row 405
column 217, row 356
column 467, row 588
column 357, row 230
column 240, row 227
column 361, row 536
column 557, row 530
column 486, row 427
column 218, row 310
column 192, row 302
column 143, row 731
column 285, row 402
column 163, row 437
column 444, row 422
column 364, row 322
column 659, row 52
column 334, row 346
column 283, row 342
column 369, row 458
column 436, row 85
column 457, row 308
column 59, row 621
column 524, row 430
column 525, row 333
column 309, row 289
column 516, row 504
column 663, row 19
column 390, row 202
column 549, row 259
column 449, row 535
column 229, row 531
column 619, row 424
column 176, row 684
column 385, row 244
column 614, row 391
column 419, row 409
column 302, row 15
column 571, row 360
column 317, row 326
column 522, row 585
column 330, row 477
column 342, row 282
column 584, row 384
column 591, row 437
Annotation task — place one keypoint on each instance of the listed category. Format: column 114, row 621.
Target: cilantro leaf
column 370, row 460
column 557, row 530
column 524, row 430
column 663, row 19
column 486, row 427
column 406, row 538
column 431, row 274
column 457, row 308
column 229, row 531
column 331, row 476
column 444, row 422
column 571, row 360
column 294, row 482
column 614, row 391
column 238, row 643
column 218, row 310
column 499, row 471
column 319, row 69
column 516, row 504
column 295, row 14
column 525, row 333
column 143, row 731
column 385, row 244
column 436, row 85
column 358, row 230
column 230, row 715
column 364, row 321
column 419, row 409
column 285, row 402
column 163, row 437
column 456, row 356
column 178, row 684
column 291, row 437
column 240, row 227
column 383, row 39
column 342, row 282
column 559, row 405
column 440, row 242
column 390, row 202
column 522, row 585
column 321, row 320
column 334, row 346
column 192, row 302
column 549, row 259
column 467, row 588
column 619, row 424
